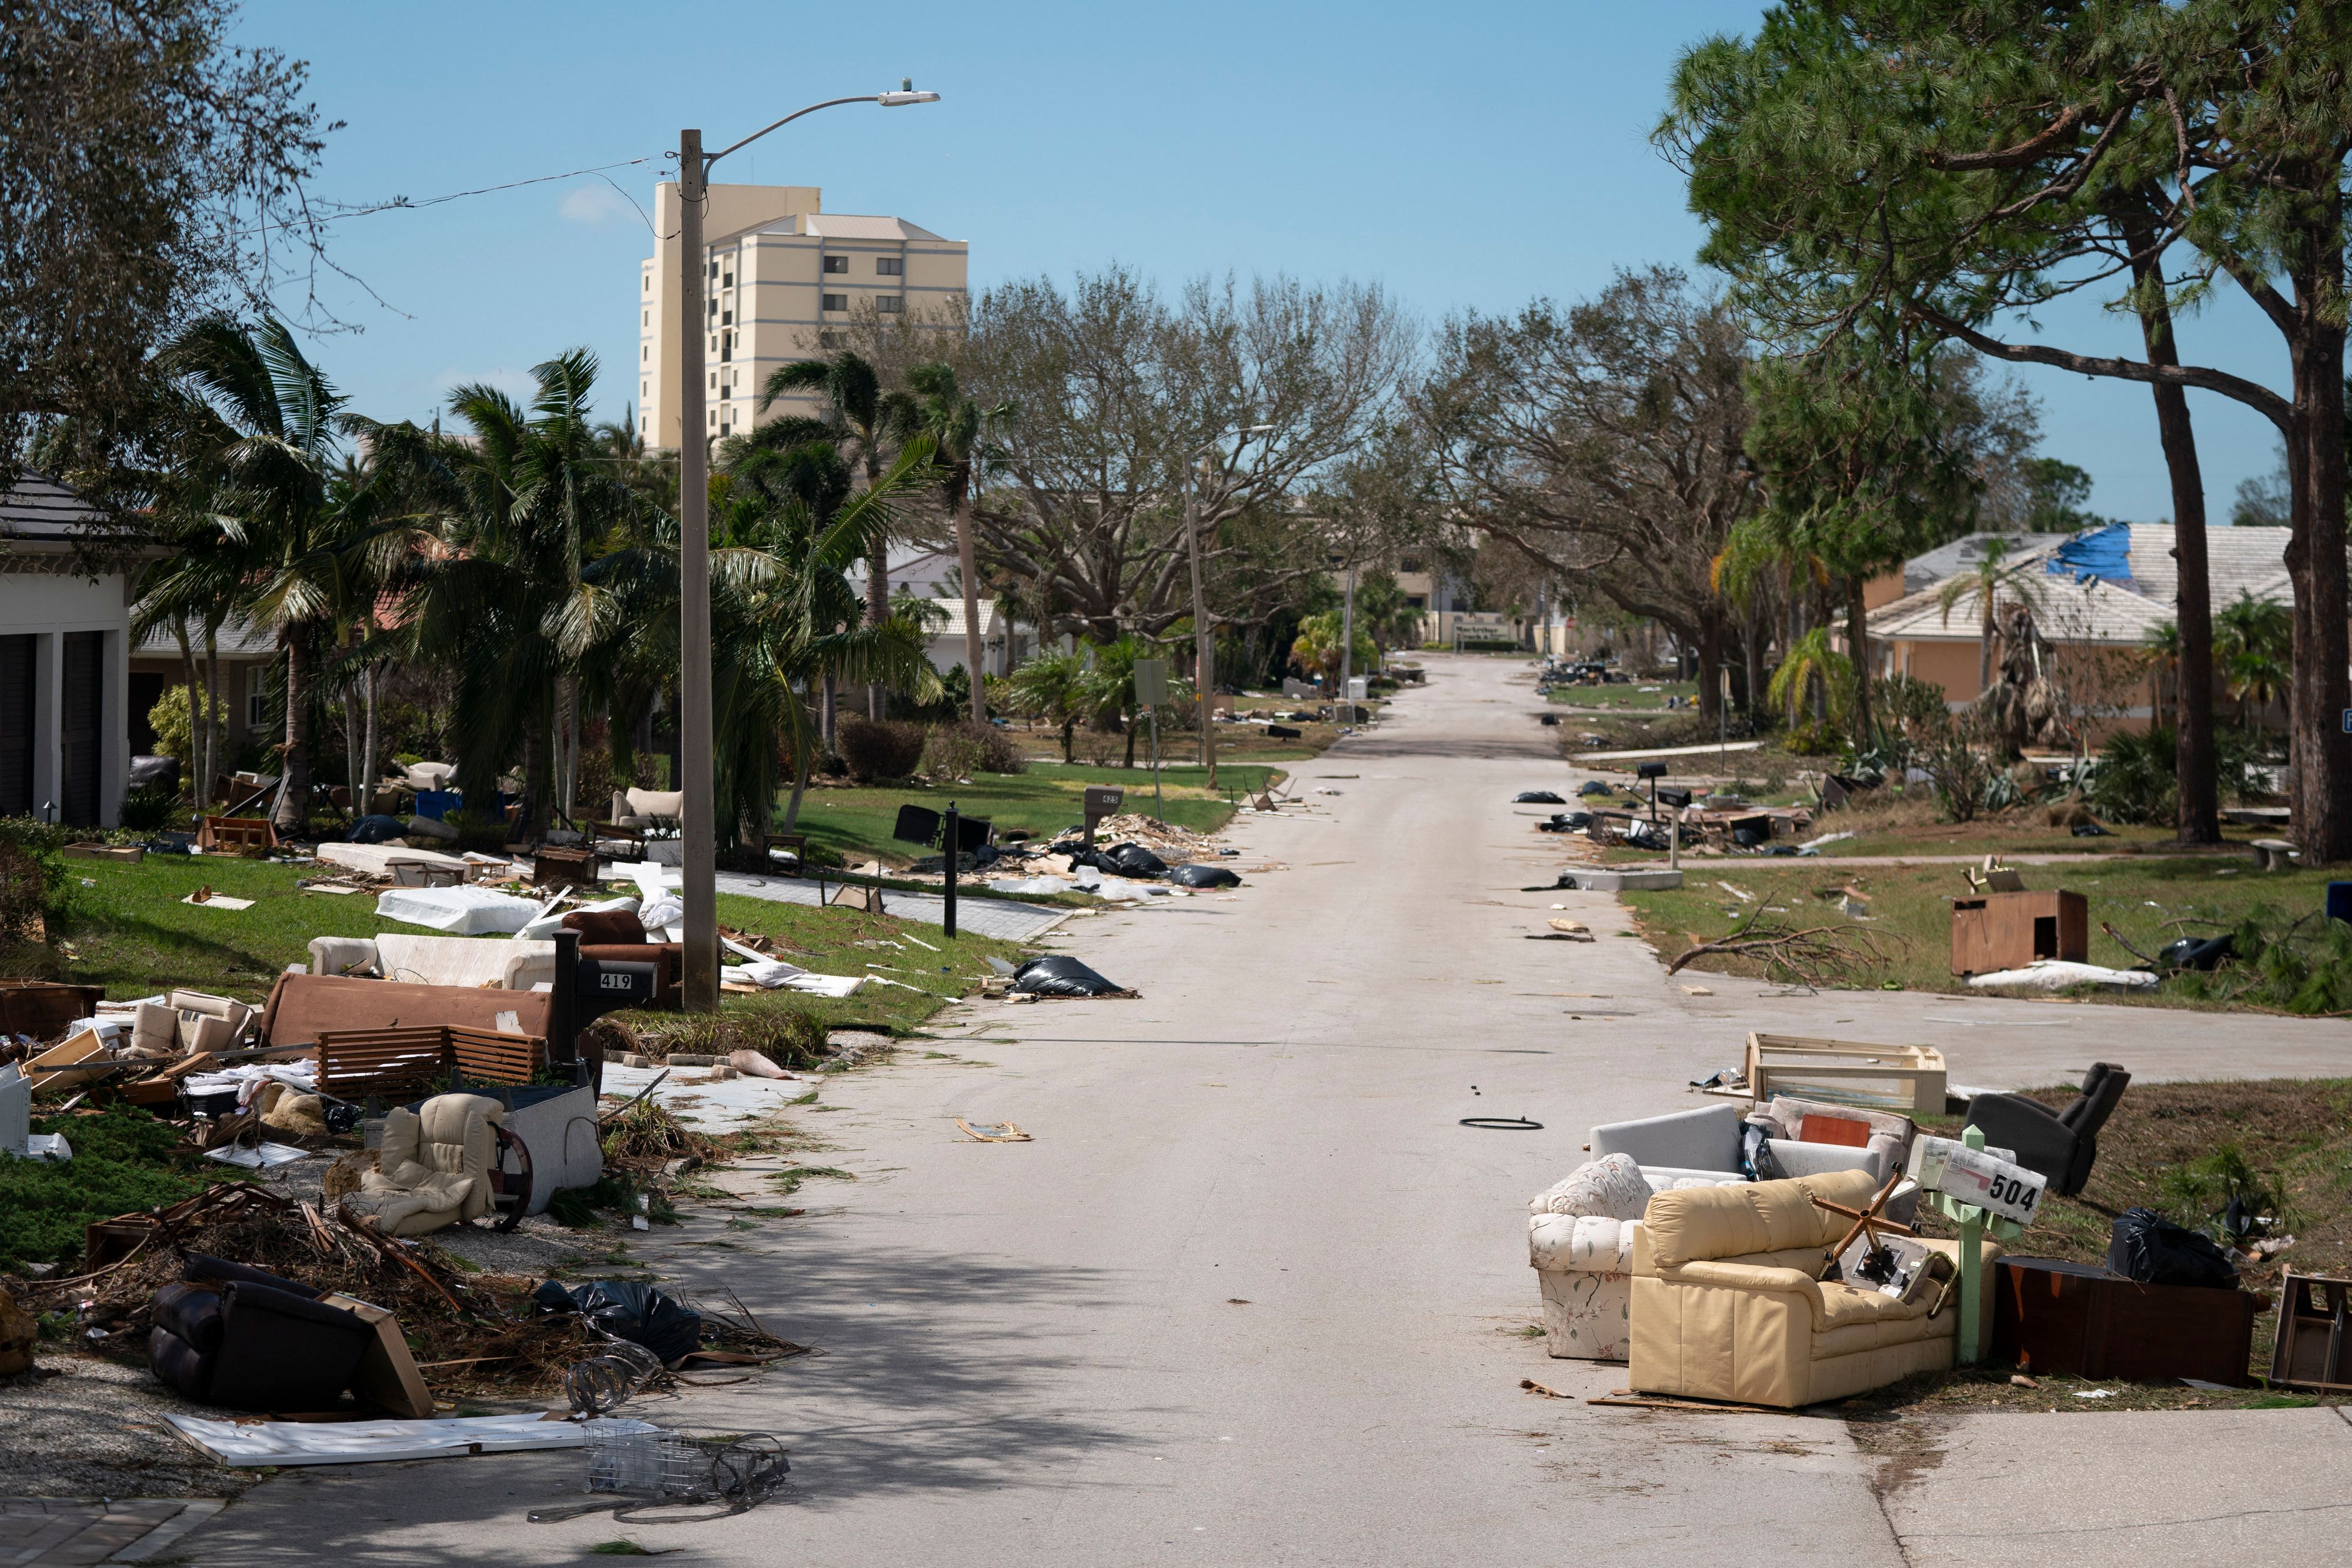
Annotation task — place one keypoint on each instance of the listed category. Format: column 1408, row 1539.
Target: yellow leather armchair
column 1728, row 1301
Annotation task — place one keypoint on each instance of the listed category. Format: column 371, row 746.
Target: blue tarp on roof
column 2104, row 553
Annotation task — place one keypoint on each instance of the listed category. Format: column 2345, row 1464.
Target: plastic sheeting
column 358, row 1442
column 2057, row 974
column 775, row 975
column 458, row 911
column 2104, row 554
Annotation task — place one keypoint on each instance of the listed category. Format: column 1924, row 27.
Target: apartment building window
column 728, row 281
column 726, row 347
column 644, row 318
column 727, row 318
column 714, row 269
column 828, row 340
column 836, row 264
column 710, row 306
column 647, row 280
column 645, row 352
column 644, row 389
column 837, row 301
column 889, row 304
column 890, row 266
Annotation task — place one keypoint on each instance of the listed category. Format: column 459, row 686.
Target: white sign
column 1976, row 1177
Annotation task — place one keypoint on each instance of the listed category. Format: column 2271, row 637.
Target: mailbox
column 1102, row 800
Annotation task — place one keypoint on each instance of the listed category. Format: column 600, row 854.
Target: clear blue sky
column 1472, row 157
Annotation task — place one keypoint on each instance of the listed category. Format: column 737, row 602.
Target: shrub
column 1819, row 737
column 123, row 1160
column 880, row 750
column 960, row 750
column 148, row 810
column 169, row 719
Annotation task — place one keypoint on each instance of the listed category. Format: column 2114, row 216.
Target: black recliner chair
column 2059, row 1145
column 253, row 1341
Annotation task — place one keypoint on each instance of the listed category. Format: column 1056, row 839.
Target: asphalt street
column 1254, row 1296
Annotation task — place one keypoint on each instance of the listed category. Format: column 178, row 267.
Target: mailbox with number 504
column 1978, row 1177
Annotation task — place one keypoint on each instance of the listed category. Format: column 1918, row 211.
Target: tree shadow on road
column 940, row 1373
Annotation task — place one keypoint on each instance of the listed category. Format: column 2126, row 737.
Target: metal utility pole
column 698, row 824
column 698, row 819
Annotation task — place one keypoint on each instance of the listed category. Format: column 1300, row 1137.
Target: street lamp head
column 904, row 95
column 1257, row 430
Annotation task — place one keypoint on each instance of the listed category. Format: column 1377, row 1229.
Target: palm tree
column 784, row 617
column 2253, row 644
column 1053, row 686
column 505, row 597
column 865, row 420
column 1991, row 579
column 1812, row 663
column 264, row 440
column 951, row 422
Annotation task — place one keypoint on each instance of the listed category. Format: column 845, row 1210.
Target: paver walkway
column 65, row 1532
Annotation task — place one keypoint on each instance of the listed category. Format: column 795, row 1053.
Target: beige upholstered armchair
column 1728, row 1301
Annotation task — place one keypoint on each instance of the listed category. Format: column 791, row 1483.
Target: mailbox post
column 953, row 841
column 1101, row 801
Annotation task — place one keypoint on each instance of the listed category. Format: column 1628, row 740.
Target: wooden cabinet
column 2078, row 1320
column 1994, row 931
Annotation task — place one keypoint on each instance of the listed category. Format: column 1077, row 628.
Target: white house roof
column 2110, row 586
column 991, row 622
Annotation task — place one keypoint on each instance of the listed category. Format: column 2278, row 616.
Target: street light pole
column 697, row 823
column 697, row 816
column 1204, row 641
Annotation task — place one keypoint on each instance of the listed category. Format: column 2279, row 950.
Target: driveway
column 1252, row 1296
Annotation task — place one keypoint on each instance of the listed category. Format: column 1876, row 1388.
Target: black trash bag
column 374, row 829
column 1060, row 975
column 1282, row 731
column 2091, row 831
column 1557, row 823
column 2196, row 952
column 1749, row 835
column 1594, row 787
column 638, row 1313
column 1131, row 859
column 1203, row 876
column 2150, row 1248
column 1536, row 797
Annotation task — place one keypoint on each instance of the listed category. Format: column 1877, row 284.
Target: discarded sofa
column 433, row 1167
column 302, row 1007
column 634, row 808
column 236, row 1336
column 1728, row 1301
column 2060, row 1144
column 1580, row 1243
column 1707, row 1142
column 1799, row 1134
column 479, row 963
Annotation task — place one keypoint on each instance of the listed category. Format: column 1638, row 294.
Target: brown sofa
column 1729, row 1302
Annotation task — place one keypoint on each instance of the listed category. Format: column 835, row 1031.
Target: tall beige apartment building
column 782, row 279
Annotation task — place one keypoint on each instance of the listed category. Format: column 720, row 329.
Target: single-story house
column 248, row 657
column 67, row 572
column 2097, row 598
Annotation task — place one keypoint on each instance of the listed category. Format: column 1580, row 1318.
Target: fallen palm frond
column 1799, row 955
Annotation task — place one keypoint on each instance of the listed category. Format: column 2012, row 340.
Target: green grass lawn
column 129, row 932
column 1910, row 908
column 1635, row 698
column 856, row 821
